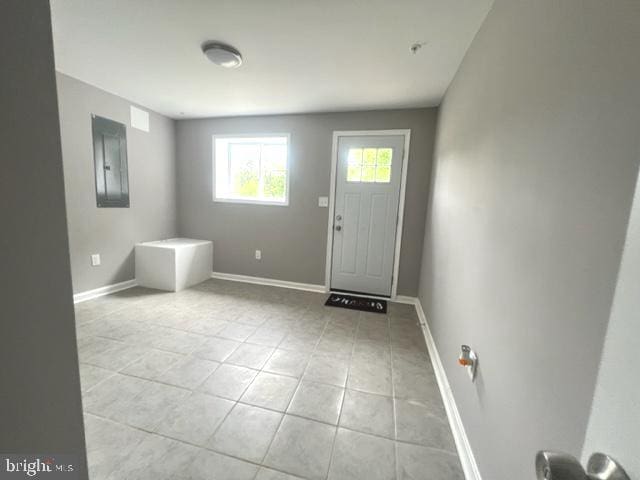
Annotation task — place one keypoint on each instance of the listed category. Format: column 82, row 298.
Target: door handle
column 338, row 228
column 562, row 466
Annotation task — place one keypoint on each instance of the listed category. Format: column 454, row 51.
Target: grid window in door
column 369, row 165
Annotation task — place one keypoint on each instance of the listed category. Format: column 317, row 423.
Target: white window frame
column 248, row 201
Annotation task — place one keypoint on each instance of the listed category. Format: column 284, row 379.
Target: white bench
column 173, row 264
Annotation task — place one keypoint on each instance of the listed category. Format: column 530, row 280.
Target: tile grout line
column 225, row 362
column 116, row 372
column 194, row 355
column 275, row 433
column 395, row 406
column 184, row 442
column 83, row 392
column 290, row 400
column 206, row 447
column 191, row 332
column 344, row 395
column 197, row 391
column 261, row 463
column 238, row 402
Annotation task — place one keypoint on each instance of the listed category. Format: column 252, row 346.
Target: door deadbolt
column 338, row 217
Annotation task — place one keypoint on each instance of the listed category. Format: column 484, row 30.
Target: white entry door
column 367, row 196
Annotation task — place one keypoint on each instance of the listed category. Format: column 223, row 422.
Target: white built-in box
column 173, row 264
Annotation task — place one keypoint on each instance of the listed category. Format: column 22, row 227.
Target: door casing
column 332, row 199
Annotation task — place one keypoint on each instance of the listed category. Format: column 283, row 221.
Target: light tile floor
column 231, row 381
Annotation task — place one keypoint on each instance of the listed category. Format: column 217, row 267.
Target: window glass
column 369, row 156
column 251, row 169
column 383, row 174
column 369, row 165
column 384, row 156
column 368, row 174
column 354, row 173
column 355, row 156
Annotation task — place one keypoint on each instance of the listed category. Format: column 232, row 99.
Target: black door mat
column 356, row 303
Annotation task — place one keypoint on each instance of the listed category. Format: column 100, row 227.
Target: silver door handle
column 562, row 466
column 338, row 228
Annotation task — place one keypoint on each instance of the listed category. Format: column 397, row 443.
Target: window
column 369, row 165
column 252, row 169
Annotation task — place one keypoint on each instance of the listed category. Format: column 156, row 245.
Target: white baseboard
column 102, row 291
column 468, row 461
column 405, row 299
column 308, row 287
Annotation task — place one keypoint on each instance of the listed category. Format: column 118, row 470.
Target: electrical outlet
column 323, row 202
column 258, row 254
column 95, row 259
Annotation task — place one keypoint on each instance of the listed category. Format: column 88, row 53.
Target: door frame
column 406, row 132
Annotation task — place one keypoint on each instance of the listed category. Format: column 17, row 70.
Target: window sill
column 252, row 202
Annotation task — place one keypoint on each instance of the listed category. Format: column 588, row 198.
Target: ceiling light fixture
column 221, row 54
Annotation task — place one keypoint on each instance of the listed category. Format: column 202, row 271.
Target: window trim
column 267, row 203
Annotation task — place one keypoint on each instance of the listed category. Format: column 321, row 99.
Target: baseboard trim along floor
column 467, row 459
column 308, row 287
column 102, row 291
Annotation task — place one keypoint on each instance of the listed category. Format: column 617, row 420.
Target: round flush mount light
column 221, row 54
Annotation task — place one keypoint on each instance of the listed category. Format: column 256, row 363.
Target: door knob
column 603, row 467
column 338, row 228
column 558, row 466
column 562, row 466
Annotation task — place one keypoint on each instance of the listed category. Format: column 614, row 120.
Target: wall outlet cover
column 323, row 201
column 258, row 254
column 95, row 259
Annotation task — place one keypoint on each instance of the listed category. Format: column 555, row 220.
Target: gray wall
column 112, row 232
column 534, row 172
column 614, row 424
column 293, row 239
column 39, row 382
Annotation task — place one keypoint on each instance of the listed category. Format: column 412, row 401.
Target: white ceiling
column 299, row 55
